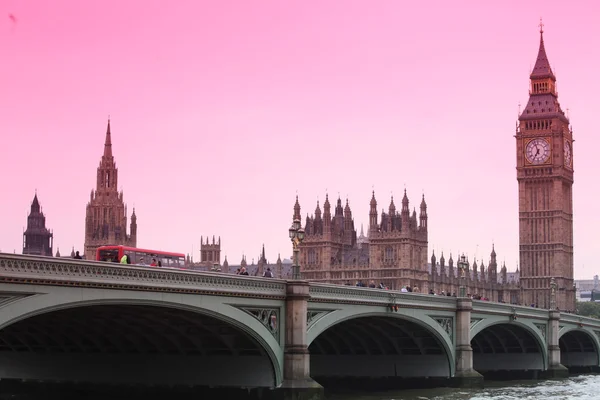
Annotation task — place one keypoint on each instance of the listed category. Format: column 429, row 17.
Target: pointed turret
column 542, row 65
column 481, row 271
column 35, row 204
column 423, row 215
column 405, row 202
column 297, row 210
column 392, row 208
column 73, row 252
column 373, row 214
column 347, row 211
column 405, row 213
column 318, row 212
column 326, row 215
column 339, row 211
column 108, row 142
column 57, row 252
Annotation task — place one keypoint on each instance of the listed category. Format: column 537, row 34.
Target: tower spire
column 542, row 68
column 107, row 142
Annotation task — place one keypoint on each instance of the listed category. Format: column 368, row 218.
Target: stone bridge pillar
column 465, row 375
column 555, row 368
column 297, row 383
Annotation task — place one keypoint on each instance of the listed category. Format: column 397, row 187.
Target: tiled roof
column 542, row 65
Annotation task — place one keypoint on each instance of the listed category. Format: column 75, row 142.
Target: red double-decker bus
column 140, row 256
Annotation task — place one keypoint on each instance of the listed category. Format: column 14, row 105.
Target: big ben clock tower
column 545, row 177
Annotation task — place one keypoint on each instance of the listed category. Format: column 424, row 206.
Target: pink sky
column 222, row 111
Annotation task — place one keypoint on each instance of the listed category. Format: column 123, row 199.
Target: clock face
column 537, row 151
column 568, row 155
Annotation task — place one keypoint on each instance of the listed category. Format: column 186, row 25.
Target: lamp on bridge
column 462, row 267
column 297, row 236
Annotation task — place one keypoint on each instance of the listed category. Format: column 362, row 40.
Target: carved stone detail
column 312, row 316
column 65, row 272
column 269, row 317
column 447, row 325
column 542, row 328
column 475, row 321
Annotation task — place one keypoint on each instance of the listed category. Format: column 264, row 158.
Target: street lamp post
column 462, row 266
column 297, row 236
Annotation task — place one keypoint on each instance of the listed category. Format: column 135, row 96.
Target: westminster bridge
column 64, row 320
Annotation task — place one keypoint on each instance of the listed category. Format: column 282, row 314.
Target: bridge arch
column 211, row 309
column 579, row 347
column 381, row 343
column 501, row 344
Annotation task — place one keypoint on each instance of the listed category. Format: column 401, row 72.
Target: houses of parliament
column 394, row 250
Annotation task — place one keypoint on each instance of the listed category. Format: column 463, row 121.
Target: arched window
column 388, row 255
column 312, row 257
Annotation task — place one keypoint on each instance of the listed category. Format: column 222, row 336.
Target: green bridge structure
column 64, row 320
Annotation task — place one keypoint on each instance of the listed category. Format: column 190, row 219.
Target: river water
column 577, row 387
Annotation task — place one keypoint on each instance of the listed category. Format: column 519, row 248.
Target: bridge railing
column 580, row 320
column 330, row 293
column 488, row 307
column 25, row 269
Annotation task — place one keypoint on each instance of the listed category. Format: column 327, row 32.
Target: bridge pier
column 465, row 375
column 297, row 383
column 555, row 368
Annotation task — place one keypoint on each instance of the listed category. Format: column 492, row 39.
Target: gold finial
column 541, row 26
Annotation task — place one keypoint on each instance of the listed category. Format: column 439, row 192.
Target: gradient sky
column 222, row 111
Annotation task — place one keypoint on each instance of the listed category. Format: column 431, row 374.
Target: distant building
column 106, row 213
column 281, row 269
column 37, row 239
column 584, row 288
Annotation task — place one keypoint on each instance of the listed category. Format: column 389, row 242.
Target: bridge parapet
column 579, row 321
column 516, row 311
column 327, row 293
column 16, row 268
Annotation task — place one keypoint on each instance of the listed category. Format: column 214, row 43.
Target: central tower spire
column 107, row 142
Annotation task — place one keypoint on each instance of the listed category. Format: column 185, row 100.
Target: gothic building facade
column 106, row 213
column 37, row 239
column 544, row 149
column 394, row 253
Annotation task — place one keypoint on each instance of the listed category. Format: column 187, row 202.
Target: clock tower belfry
column 545, row 178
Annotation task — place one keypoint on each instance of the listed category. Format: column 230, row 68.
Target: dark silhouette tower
column 37, row 239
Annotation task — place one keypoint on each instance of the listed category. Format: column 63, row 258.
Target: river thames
column 577, row 387
column 574, row 388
